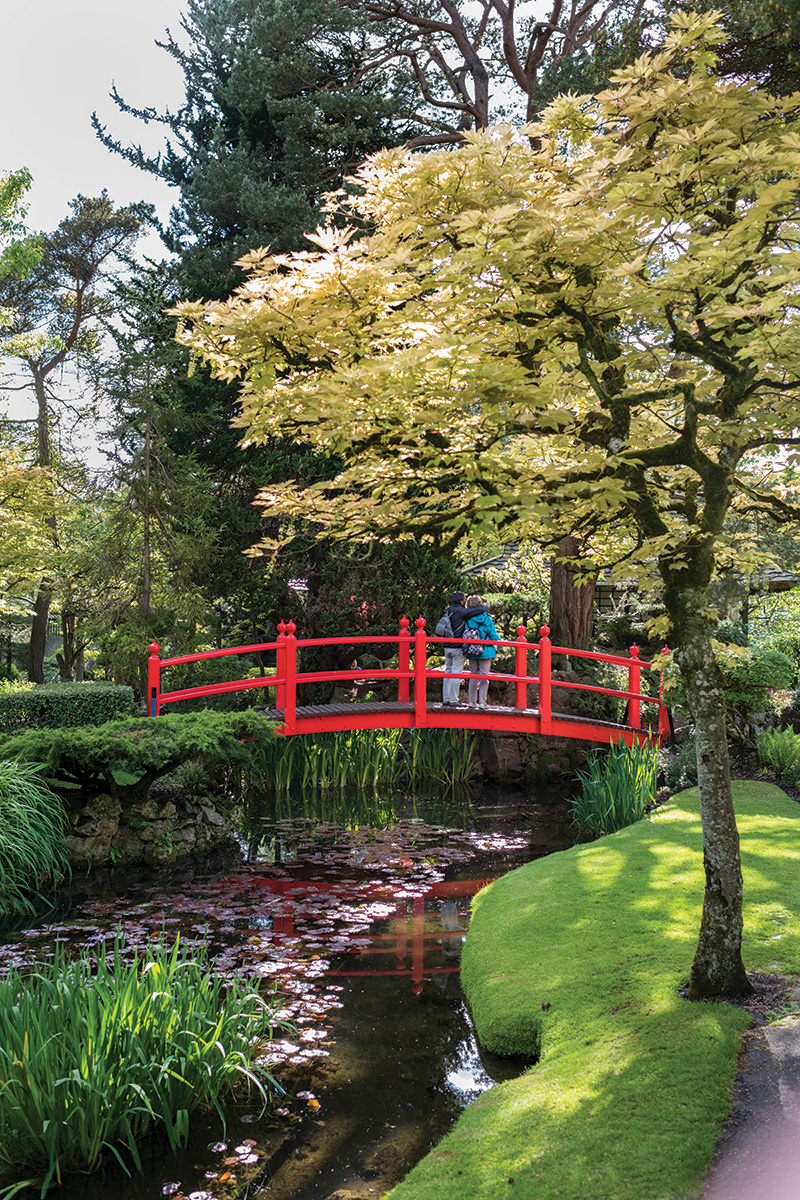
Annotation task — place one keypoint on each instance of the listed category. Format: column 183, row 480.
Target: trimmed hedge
column 63, row 705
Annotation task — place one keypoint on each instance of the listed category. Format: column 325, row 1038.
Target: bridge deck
column 374, row 714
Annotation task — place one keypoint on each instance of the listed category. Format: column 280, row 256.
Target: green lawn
column 579, row 956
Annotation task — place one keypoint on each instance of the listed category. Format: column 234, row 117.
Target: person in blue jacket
column 483, row 627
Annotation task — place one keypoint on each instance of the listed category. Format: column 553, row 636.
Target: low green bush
column 32, row 824
column 62, row 705
column 617, row 788
column 680, row 766
column 124, row 758
column 749, row 678
column 95, row 1051
column 778, row 749
column 749, row 684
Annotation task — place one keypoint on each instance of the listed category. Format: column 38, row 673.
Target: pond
column 355, row 908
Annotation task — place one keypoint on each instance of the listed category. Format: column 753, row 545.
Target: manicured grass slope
column 580, row 956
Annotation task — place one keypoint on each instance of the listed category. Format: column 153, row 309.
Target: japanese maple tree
column 591, row 324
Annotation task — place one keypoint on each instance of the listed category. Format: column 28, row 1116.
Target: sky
column 60, row 59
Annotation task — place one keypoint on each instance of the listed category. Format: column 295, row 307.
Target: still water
column 355, row 910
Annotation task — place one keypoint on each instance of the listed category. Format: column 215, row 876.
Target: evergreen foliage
column 275, row 114
column 124, row 757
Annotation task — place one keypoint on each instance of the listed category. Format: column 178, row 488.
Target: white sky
column 60, row 58
column 59, row 61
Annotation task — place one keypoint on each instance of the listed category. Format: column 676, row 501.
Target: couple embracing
column 468, row 614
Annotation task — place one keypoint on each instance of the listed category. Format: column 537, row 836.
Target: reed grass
column 618, row 787
column 366, row 758
column 32, row 824
column 95, row 1051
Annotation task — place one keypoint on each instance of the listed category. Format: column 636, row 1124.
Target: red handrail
column 287, row 677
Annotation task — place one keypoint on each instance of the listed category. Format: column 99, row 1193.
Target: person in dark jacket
column 459, row 614
column 482, row 626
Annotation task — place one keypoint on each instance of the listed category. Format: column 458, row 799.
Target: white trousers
column 479, row 666
column 451, row 688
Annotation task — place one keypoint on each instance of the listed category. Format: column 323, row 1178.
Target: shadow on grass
column 580, row 956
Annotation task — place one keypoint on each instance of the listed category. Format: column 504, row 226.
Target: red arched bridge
column 528, row 705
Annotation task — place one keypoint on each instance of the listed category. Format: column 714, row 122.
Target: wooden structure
column 532, row 685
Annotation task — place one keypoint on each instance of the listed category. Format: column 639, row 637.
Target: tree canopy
column 594, row 324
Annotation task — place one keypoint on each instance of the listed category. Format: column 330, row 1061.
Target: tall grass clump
column 95, row 1052
column 778, row 749
column 617, row 788
column 32, row 824
column 366, row 758
column 444, row 756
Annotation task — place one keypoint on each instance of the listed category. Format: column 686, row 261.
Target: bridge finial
column 290, row 629
column 634, row 651
column 521, row 631
column 282, row 627
column 404, row 624
column 420, row 622
column 154, row 649
column 545, row 631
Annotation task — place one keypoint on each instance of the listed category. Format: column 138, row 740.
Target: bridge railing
column 412, row 668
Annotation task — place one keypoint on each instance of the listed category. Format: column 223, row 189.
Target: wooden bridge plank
column 375, row 714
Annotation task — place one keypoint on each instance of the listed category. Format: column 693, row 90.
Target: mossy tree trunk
column 718, row 967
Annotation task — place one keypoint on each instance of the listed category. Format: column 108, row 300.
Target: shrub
column 595, row 704
column 93, row 1053
column 680, row 769
column 509, row 610
column 617, row 788
column 749, row 684
column 749, row 679
column 32, row 823
column 778, row 749
column 62, row 705
column 123, row 758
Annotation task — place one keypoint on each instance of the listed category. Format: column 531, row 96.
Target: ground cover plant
column 32, row 823
column 95, row 1052
column 579, row 958
column 617, row 788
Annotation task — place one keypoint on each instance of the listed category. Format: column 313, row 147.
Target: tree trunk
column 38, row 642
column 41, row 608
column 571, row 606
column 717, row 968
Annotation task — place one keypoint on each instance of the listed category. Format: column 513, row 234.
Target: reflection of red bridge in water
column 412, row 708
column 408, row 943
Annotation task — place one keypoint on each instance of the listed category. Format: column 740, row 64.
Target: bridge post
column 521, row 668
column 404, row 661
column 290, row 676
column 280, row 666
column 420, row 674
column 154, row 681
column 635, row 688
column 545, row 694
